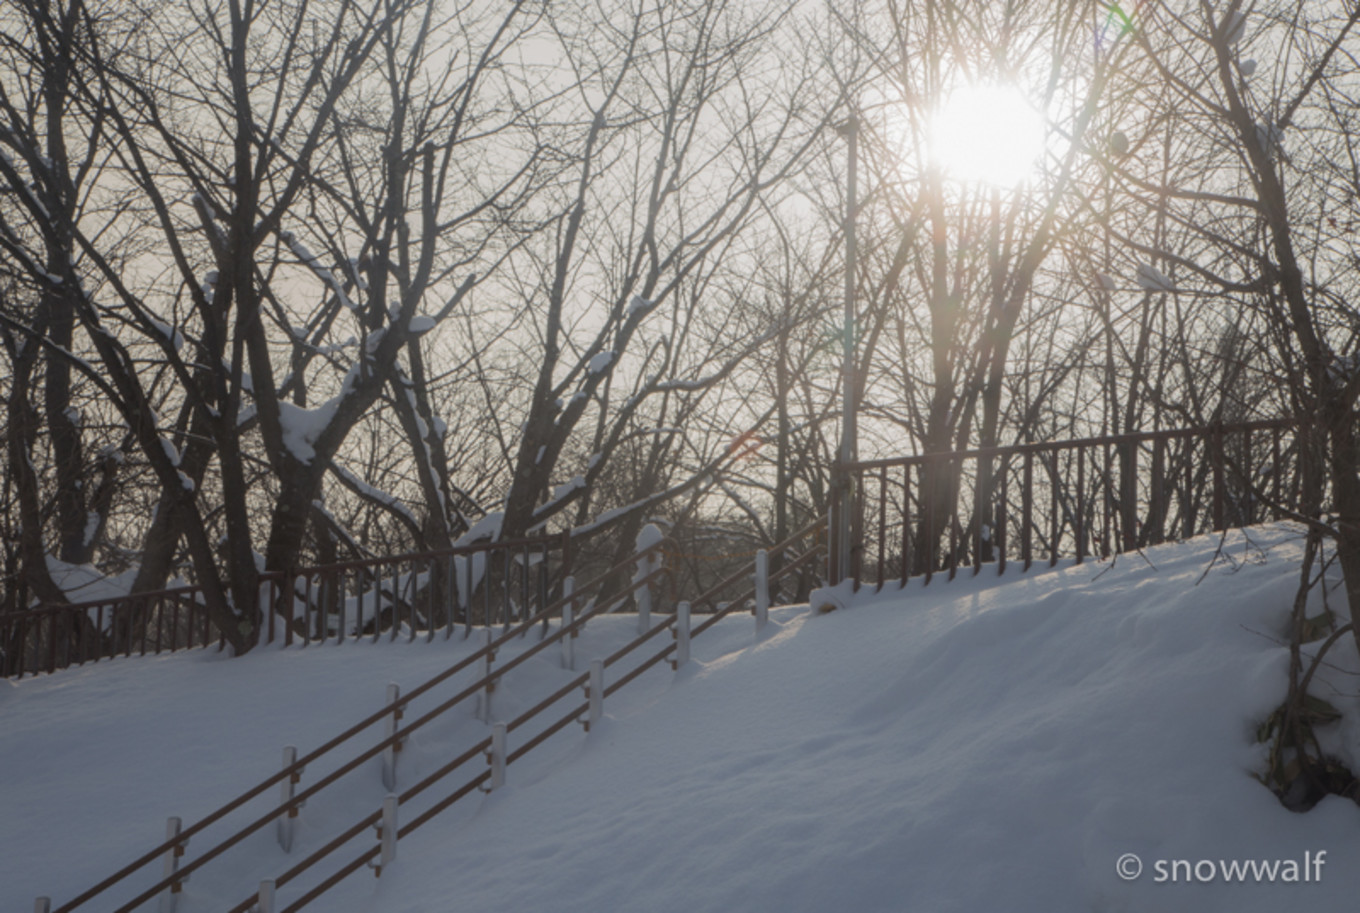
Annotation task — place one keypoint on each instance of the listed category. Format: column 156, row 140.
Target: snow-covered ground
column 986, row 744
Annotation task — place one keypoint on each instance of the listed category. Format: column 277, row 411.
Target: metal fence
column 413, row 595
column 1088, row 498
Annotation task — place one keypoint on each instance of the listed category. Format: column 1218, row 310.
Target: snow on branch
column 561, row 494
column 302, row 427
column 387, row 501
column 702, row 383
column 309, row 260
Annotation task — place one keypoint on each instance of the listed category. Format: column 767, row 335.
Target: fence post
column 982, row 514
column 681, row 634
column 286, row 822
column 170, row 896
column 264, row 900
column 389, row 755
column 568, row 616
column 497, row 757
column 762, row 588
column 42, row 905
column 595, row 691
column 387, row 834
column 1128, row 496
column 450, row 595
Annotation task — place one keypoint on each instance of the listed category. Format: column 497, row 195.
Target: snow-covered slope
column 978, row 745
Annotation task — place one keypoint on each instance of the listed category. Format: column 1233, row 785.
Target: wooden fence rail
column 393, row 710
column 578, row 710
column 567, row 605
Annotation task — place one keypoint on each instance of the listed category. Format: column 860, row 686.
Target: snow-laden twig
column 377, row 496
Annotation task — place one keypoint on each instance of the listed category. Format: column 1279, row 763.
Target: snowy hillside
column 978, row 745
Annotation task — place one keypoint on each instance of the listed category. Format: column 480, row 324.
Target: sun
column 987, row 133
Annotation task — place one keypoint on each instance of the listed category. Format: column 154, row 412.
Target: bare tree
column 686, row 123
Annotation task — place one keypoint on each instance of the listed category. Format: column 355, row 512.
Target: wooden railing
column 174, row 846
column 1093, row 497
column 534, row 725
column 419, row 594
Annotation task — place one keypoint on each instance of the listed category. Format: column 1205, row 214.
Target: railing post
column 834, row 535
column 681, row 634
column 389, row 755
column 568, row 616
column 170, row 896
column 930, row 482
column 982, row 515
column 42, row 905
column 264, row 900
column 1055, row 517
column 1027, row 511
column 497, row 757
column 566, row 554
column 762, row 588
column 1000, row 537
column 396, row 603
column 595, row 693
column 285, row 828
column 285, row 608
column 1128, row 476
column 450, row 594
column 543, row 587
column 291, row 594
column 1158, row 507
column 1216, row 443
column 431, row 577
column 882, row 524
column 855, row 490
column 484, row 699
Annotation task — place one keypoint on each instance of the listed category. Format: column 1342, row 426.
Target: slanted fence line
column 1091, row 497
column 498, row 756
column 385, row 714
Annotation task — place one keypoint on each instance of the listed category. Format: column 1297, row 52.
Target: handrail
column 572, row 715
column 1132, row 437
column 311, row 757
column 451, row 552
column 87, row 604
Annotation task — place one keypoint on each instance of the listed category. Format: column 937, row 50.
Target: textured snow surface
column 986, row 744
